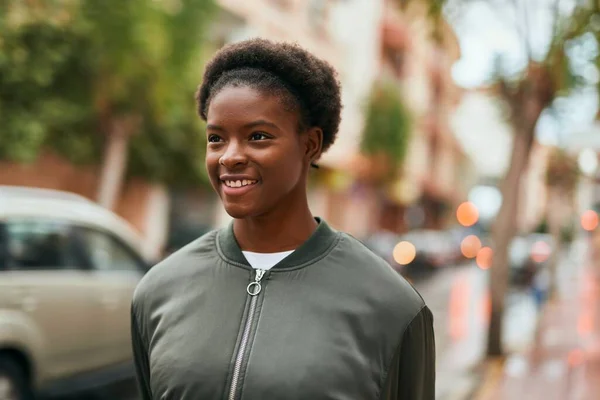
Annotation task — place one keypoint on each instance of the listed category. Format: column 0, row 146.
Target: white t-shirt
column 265, row 260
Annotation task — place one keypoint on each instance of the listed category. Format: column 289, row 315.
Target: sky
column 487, row 29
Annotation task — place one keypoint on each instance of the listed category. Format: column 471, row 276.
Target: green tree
column 527, row 94
column 387, row 128
column 79, row 76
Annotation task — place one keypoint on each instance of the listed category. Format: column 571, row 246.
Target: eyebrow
column 253, row 124
column 214, row 127
column 259, row 123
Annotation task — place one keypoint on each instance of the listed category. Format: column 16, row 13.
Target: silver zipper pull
column 254, row 288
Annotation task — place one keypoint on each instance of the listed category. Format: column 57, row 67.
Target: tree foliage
column 562, row 172
column 68, row 68
column 388, row 125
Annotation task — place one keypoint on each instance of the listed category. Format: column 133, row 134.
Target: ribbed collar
column 317, row 245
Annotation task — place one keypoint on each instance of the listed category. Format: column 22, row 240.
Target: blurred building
column 437, row 173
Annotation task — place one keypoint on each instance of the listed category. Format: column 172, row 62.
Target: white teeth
column 241, row 183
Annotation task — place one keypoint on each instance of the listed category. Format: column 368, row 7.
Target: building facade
column 418, row 51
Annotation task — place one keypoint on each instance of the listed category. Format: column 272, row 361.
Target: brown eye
column 259, row 136
column 213, row 139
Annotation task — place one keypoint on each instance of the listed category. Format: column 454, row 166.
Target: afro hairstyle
column 305, row 83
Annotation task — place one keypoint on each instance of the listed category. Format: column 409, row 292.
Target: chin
column 239, row 211
column 236, row 213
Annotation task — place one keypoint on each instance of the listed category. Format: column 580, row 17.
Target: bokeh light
column 540, row 251
column 467, row 214
column 470, row 246
column 589, row 220
column 404, row 253
column 576, row 357
column 484, row 258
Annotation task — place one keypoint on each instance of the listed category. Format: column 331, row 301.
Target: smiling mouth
column 239, row 183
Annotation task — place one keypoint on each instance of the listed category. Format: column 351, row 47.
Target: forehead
column 243, row 103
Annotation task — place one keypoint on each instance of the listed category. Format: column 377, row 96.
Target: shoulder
column 386, row 284
column 178, row 267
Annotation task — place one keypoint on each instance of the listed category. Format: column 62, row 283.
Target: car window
column 109, row 254
column 40, row 245
column 3, row 245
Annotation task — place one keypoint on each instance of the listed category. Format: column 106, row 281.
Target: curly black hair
column 304, row 82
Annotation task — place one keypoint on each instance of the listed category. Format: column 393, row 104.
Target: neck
column 280, row 230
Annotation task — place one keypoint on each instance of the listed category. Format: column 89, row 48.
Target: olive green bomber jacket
column 330, row 321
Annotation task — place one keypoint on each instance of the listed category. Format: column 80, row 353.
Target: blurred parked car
column 432, row 250
column 528, row 254
column 68, row 269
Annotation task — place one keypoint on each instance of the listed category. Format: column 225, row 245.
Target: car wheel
column 13, row 383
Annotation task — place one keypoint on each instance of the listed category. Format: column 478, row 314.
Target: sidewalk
column 459, row 300
column 564, row 361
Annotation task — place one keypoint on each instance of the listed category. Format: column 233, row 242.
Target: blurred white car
column 68, row 269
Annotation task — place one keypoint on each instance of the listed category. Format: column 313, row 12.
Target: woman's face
column 255, row 158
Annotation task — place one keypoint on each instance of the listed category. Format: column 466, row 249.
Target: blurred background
column 467, row 158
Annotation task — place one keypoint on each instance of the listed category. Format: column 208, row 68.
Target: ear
column 314, row 144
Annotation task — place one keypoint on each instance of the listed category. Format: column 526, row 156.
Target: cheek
column 211, row 162
column 287, row 169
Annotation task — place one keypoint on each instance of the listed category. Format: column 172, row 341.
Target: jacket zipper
column 254, row 288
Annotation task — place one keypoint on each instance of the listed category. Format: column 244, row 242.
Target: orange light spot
column 589, row 220
column 484, row 258
column 458, row 311
column 585, row 324
column 470, row 246
column 576, row 357
column 467, row 214
column 404, row 253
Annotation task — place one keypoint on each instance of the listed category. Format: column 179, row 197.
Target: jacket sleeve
column 412, row 373
column 140, row 358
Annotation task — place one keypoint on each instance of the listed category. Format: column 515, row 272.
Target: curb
column 491, row 377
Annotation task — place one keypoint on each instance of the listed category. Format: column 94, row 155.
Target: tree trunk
column 555, row 220
column 503, row 231
column 114, row 164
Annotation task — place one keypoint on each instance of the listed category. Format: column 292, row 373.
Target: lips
column 237, row 186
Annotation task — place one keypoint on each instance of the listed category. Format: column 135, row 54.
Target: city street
column 564, row 360
column 452, row 138
column 459, row 299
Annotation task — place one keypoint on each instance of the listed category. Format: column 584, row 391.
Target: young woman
column 278, row 305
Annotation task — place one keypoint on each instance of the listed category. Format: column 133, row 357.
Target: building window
column 285, row 5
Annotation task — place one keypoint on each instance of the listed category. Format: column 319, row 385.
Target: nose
column 234, row 156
